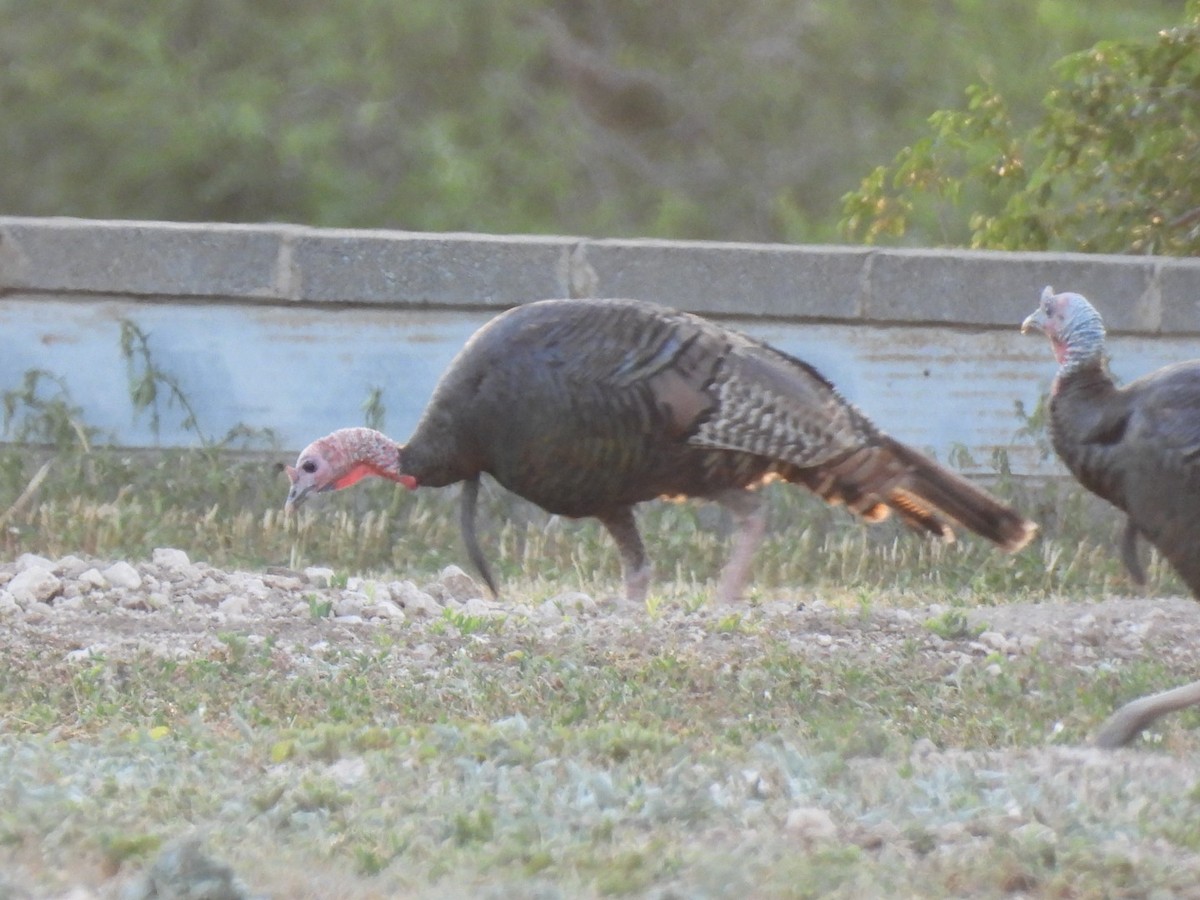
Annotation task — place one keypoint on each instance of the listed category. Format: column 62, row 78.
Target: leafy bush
column 698, row 120
column 1108, row 167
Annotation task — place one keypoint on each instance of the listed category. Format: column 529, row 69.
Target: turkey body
column 586, row 407
column 1136, row 446
column 589, row 407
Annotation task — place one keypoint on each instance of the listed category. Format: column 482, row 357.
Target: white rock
column 123, row 575
column 349, row 620
column 71, row 566
column 550, row 610
column 386, row 609
column 84, row 654
column 93, row 579
column 171, row 559
column 34, row 585
column 33, row 561
column 1028, row 642
column 824, row 640
column 348, row 771
column 477, row 606
column 811, row 824
column 234, row 605
column 459, row 584
column 252, row 587
column 319, row 575
column 349, row 605
column 8, row 605
column 414, row 600
column 996, row 641
column 137, row 602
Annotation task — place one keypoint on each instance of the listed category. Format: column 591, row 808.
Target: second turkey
column 589, row 407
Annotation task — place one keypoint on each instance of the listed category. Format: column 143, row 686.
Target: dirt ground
column 172, row 607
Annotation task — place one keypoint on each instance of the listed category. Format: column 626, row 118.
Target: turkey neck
column 1081, row 400
column 433, row 456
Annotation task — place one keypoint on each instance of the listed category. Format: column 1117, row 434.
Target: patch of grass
column 953, row 625
column 225, row 508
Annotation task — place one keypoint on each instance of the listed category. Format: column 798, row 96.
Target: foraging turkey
column 589, row 407
column 1136, row 446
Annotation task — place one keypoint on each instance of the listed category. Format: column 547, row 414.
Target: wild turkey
column 588, row 407
column 1138, row 447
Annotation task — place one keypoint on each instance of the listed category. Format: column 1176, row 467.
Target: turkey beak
column 1036, row 319
column 297, row 493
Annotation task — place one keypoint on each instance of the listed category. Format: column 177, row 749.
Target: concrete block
column 413, row 269
column 139, row 258
column 732, row 279
column 1179, row 288
column 998, row 289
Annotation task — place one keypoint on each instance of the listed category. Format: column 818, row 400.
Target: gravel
column 172, row 607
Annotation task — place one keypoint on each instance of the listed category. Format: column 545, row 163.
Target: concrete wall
column 289, row 327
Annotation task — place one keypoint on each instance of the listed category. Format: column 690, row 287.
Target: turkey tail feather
column 470, row 496
column 891, row 477
column 928, row 487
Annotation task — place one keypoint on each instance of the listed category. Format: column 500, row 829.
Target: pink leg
column 751, row 518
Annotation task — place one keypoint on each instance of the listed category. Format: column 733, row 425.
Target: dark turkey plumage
column 1136, row 446
column 589, row 407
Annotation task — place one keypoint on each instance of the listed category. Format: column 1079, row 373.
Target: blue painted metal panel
column 303, row 371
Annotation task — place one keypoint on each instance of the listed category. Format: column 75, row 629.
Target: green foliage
column 1108, row 167
column 374, row 409
column 30, row 416
column 700, row 120
column 954, row 625
column 146, row 379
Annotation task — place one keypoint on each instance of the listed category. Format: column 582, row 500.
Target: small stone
column 320, row 576
column 550, row 610
column 123, row 575
column 34, row 584
column 251, row 586
column 477, row 606
column 414, row 600
column 994, row 640
column 283, row 582
column 8, row 606
column 459, row 584
column 135, row 602
column 33, row 561
column 385, row 609
column 824, row 640
column 91, row 578
column 71, row 567
column 349, row 605
column 171, row 559
column 235, row 605
column 348, row 771
column 811, row 824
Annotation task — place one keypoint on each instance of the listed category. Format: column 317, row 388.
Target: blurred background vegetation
column 1037, row 124
column 761, row 120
